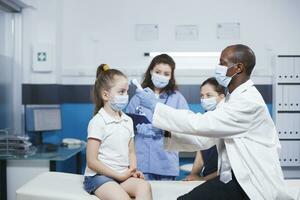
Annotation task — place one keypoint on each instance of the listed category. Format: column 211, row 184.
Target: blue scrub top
column 151, row 156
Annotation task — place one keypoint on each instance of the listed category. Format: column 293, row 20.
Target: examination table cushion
column 65, row 186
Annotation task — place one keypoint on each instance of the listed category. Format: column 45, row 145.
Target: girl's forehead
column 120, row 81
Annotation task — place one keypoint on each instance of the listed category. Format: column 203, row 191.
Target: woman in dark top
column 206, row 161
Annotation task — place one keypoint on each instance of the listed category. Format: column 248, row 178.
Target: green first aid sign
column 41, row 56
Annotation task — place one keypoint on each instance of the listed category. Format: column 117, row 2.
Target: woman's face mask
column 220, row 75
column 209, row 97
column 209, row 104
column 119, row 102
column 159, row 81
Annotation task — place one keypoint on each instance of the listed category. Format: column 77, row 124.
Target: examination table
column 64, row 186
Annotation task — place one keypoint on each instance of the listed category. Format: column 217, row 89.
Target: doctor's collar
column 241, row 88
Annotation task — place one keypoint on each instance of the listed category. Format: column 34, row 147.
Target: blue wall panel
column 75, row 118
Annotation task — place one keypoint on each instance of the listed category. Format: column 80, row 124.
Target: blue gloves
column 147, row 130
column 147, row 98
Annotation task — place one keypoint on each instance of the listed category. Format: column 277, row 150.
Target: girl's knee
column 144, row 187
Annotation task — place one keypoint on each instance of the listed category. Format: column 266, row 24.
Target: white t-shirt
column 115, row 136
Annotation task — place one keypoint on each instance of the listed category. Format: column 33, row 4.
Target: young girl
column 206, row 162
column 111, row 161
column 153, row 160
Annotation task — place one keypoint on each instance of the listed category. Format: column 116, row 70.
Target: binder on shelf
column 290, row 96
column 296, row 126
column 279, row 125
column 297, row 70
column 279, row 99
column 290, row 126
column 285, row 97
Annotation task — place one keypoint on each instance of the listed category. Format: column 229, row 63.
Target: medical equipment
column 136, row 83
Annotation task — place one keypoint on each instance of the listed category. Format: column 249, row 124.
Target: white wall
column 86, row 33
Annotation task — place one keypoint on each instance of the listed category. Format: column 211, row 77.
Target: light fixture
column 185, row 54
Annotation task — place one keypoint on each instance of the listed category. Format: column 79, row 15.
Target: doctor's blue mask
column 220, row 75
column 119, row 102
column 159, row 81
column 209, row 104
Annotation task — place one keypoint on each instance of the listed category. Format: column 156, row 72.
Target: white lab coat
column 249, row 134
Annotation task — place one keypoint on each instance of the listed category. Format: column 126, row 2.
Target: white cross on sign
column 41, row 56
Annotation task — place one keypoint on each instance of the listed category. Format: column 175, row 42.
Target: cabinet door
column 290, row 153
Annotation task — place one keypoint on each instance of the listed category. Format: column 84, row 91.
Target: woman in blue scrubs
column 152, row 159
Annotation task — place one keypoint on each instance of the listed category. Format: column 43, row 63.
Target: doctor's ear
column 240, row 68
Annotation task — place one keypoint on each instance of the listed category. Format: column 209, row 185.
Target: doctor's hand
column 147, row 98
column 147, row 130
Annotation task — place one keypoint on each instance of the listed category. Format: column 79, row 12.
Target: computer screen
column 42, row 117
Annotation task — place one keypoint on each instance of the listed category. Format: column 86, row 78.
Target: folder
column 285, row 98
column 280, row 125
column 138, row 119
column 297, row 70
column 279, row 97
column 290, row 96
column 296, row 126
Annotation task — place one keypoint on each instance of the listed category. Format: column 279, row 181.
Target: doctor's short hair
column 159, row 59
column 213, row 82
column 243, row 54
column 105, row 77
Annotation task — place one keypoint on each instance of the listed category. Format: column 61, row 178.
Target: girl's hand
column 125, row 175
column 192, row 177
column 138, row 174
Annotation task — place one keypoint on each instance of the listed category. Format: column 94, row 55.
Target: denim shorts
column 92, row 183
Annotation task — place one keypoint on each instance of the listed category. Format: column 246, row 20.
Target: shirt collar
column 109, row 119
column 243, row 87
column 163, row 95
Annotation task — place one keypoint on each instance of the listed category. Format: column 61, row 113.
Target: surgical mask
column 159, row 81
column 119, row 102
column 220, row 75
column 209, row 104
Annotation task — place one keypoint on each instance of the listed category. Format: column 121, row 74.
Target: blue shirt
column 151, row 156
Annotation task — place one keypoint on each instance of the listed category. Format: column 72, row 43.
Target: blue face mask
column 220, row 75
column 209, row 104
column 159, row 81
column 119, row 102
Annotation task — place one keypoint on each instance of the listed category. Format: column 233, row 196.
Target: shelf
column 288, row 111
column 288, row 83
